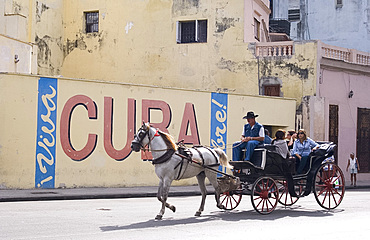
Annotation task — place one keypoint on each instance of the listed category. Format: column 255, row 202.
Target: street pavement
column 12, row 195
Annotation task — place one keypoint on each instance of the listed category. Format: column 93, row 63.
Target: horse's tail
column 223, row 158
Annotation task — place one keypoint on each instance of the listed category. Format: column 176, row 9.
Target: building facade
column 340, row 23
column 147, row 54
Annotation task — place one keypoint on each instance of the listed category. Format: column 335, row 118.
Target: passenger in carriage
column 252, row 136
column 302, row 148
column 268, row 139
column 291, row 136
column 279, row 141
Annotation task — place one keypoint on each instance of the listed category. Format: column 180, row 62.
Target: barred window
column 192, row 31
column 92, row 22
column 339, row 3
column 294, row 14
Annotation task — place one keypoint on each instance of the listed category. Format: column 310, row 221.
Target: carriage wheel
column 230, row 200
column 265, row 195
column 329, row 186
column 284, row 197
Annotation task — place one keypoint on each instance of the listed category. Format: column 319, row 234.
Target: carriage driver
column 253, row 135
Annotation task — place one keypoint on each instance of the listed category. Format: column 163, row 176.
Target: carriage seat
column 258, row 159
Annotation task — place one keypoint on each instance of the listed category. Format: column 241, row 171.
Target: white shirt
column 352, row 163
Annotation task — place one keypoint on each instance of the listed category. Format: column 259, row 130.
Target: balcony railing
column 345, row 54
column 281, row 49
column 274, row 49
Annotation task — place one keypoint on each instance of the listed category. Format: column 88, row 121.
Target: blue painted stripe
column 46, row 133
column 219, row 106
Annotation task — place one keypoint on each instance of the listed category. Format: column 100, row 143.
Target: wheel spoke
column 259, row 202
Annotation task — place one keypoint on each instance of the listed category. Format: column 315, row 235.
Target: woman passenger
column 279, row 141
column 291, row 137
column 302, row 148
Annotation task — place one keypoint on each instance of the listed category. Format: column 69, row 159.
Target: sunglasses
column 300, row 133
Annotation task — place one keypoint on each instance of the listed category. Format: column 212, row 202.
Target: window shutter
column 178, row 32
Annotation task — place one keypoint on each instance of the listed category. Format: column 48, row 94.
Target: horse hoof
column 197, row 214
column 158, row 217
column 173, row 208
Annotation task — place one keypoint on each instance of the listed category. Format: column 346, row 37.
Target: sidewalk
column 12, row 195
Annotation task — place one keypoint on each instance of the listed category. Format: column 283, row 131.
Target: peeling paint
column 72, row 44
column 40, row 8
column 224, row 23
column 232, row 66
column 185, row 7
column 17, row 8
column 44, row 52
column 267, row 65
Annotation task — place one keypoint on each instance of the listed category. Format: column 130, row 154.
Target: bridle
column 142, row 133
column 140, row 136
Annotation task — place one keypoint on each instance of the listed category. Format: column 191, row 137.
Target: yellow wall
column 136, row 43
column 298, row 72
column 18, row 132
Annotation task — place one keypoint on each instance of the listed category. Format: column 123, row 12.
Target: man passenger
column 253, row 135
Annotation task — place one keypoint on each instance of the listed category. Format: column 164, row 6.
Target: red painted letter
column 65, row 121
column 108, row 123
column 147, row 105
column 189, row 120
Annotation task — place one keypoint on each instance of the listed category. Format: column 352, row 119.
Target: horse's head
column 141, row 138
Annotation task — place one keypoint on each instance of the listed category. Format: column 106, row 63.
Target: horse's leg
column 201, row 177
column 160, row 198
column 212, row 177
column 162, row 195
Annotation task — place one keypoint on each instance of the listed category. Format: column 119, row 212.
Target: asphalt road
column 133, row 218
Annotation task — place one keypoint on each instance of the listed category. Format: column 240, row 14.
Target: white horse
column 171, row 165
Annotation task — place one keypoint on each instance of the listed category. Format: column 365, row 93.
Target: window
column 294, row 14
column 192, row 31
column 363, row 139
column 92, row 22
column 272, row 90
column 339, row 3
column 257, row 32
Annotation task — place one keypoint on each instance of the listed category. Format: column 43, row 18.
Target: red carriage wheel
column 284, row 197
column 329, row 186
column 265, row 195
column 230, row 200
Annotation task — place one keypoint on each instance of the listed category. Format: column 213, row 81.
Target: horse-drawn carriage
column 267, row 178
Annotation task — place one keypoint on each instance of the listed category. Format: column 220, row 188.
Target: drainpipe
column 258, row 75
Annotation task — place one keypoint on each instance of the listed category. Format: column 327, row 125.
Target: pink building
column 343, row 85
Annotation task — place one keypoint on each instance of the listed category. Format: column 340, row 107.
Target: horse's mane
column 168, row 139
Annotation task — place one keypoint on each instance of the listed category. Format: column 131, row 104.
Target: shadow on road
column 234, row 215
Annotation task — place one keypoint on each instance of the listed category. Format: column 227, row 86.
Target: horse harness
column 185, row 153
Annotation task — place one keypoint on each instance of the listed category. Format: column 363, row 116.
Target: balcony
column 345, row 54
column 285, row 49
column 274, row 49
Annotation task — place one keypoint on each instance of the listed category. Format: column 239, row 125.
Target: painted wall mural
column 46, row 132
column 77, row 133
